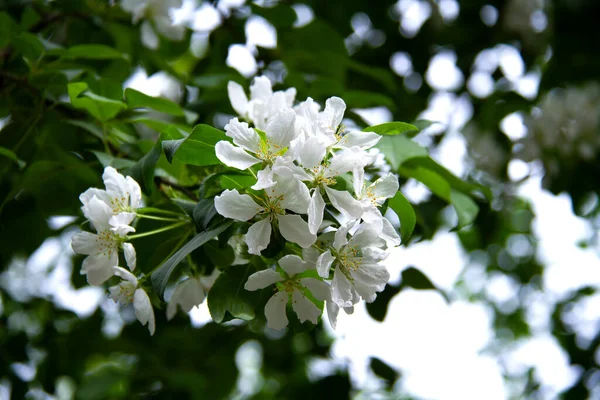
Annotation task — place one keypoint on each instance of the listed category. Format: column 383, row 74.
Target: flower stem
column 158, row 218
column 154, row 232
column 145, row 210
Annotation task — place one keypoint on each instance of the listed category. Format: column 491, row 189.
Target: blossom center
column 107, row 242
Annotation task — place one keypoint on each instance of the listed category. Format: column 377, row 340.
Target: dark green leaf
column 281, row 15
column 109, row 161
column 228, row 296
column 29, row 45
column 196, row 149
column 237, row 181
column 137, row 99
column 378, row 308
column 143, row 170
column 160, row 277
column 393, row 128
column 406, row 214
column 220, row 256
column 384, row 371
column 204, row 212
column 8, row 29
column 413, row 278
column 12, row 156
column 466, row 209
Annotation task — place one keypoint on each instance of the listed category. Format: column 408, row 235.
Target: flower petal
column 98, row 213
column 115, row 183
column 86, row 196
column 294, row 194
column 345, row 203
column 262, row 279
column 232, row 204
column 312, row 153
column 99, row 268
column 293, row 265
column 332, row 313
column 258, row 236
column 295, row 229
column 261, row 88
column 265, row 179
column 316, row 208
column 341, row 289
column 341, row 235
column 319, row 289
column 275, row 311
column 370, row 278
column 345, row 161
column 130, row 256
column 304, row 308
column 243, row 135
column 389, row 233
column 364, row 140
column 86, row 243
column 120, row 223
column 333, row 113
column 143, row 310
column 237, row 97
column 280, row 129
column 324, row 262
column 385, row 187
column 135, row 192
column 188, row 294
column 234, row 156
column 126, row 275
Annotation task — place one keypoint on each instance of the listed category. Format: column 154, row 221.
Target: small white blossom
column 190, row 293
column 290, row 285
column 127, row 292
column 285, row 195
column 263, row 104
column 101, row 248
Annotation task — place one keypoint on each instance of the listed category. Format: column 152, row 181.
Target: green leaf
column 413, row 278
column 100, row 107
column 237, row 181
column 281, row 15
column 406, row 214
column 29, row 45
column 454, row 181
column 12, row 156
column 378, row 308
column 398, row 149
column 160, row 277
column 220, row 256
column 363, row 99
column 137, row 99
column 384, row 371
column 8, row 29
column 465, row 207
column 228, row 296
column 196, row 149
column 88, row 126
column 393, row 128
column 204, row 212
column 90, row 52
column 143, row 170
column 109, row 161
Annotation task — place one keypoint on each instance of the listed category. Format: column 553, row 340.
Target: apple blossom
column 127, row 292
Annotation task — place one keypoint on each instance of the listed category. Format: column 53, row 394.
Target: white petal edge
column 258, row 236
column 262, row 279
column 275, row 311
column 237, row 97
column 295, row 229
column 232, row 204
column 130, row 256
column 316, row 208
column 143, row 310
column 234, row 156
column 304, row 308
column 293, row 265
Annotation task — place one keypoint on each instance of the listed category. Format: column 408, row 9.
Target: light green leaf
column 465, row 208
column 393, row 128
column 196, row 149
column 160, row 277
column 100, row 107
column 398, row 149
column 406, row 214
column 228, row 296
column 143, row 170
column 109, row 161
column 137, row 99
column 12, row 156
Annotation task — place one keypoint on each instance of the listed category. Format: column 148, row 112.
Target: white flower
column 127, row 292
column 250, row 148
column 287, row 194
column 190, row 293
column 263, row 103
column 159, row 12
column 101, row 248
column 290, row 284
column 123, row 195
column 357, row 271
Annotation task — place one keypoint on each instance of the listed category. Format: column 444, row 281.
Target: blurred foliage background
column 515, row 81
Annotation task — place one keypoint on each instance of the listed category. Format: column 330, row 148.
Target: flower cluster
column 310, row 179
column 112, row 212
